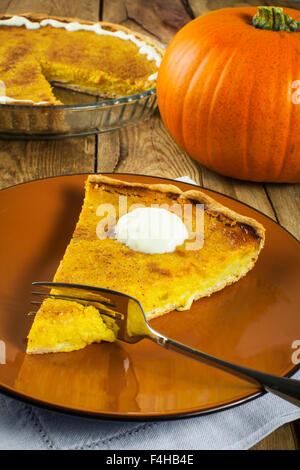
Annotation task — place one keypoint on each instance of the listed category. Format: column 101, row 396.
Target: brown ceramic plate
column 253, row 322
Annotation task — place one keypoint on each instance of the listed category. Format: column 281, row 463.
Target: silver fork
column 132, row 326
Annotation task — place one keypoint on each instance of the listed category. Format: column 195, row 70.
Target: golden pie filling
column 229, row 245
column 108, row 64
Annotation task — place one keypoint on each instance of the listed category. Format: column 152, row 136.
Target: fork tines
column 102, row 304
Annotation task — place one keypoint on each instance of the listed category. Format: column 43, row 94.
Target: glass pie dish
column 81, row 115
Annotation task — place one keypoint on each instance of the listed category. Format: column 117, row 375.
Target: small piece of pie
column 103, row 58
column 220, row 250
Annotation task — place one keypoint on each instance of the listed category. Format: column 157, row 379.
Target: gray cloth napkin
column 23, row 426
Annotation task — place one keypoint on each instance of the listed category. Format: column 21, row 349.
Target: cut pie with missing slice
column 103, row 58
column 161, row 282
column 98, row 58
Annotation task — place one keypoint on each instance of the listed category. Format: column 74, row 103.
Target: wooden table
column 146, row 148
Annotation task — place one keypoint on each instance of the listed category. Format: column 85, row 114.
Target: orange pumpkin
column 228, row 92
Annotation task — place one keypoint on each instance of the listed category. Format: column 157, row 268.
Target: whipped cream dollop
column 151, row 230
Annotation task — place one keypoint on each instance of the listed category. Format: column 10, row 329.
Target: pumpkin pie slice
column 224, row 250
column 220, row 250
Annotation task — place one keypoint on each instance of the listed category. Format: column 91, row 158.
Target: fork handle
column 288, row 389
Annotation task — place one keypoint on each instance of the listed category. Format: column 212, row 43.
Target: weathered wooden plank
column 86, row 9
column 282, row 439
column 23, row 161
column 286, row 202
column 296, row 430
column 250, row 193
column 159, row 19
column 199, row 7
column 4, row 4
column 149, row 149
column 108, row 151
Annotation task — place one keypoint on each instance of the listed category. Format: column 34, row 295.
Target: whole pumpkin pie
column 229, row 246
column 103, row 58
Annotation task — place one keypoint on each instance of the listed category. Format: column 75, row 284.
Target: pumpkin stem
column 274, row 19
